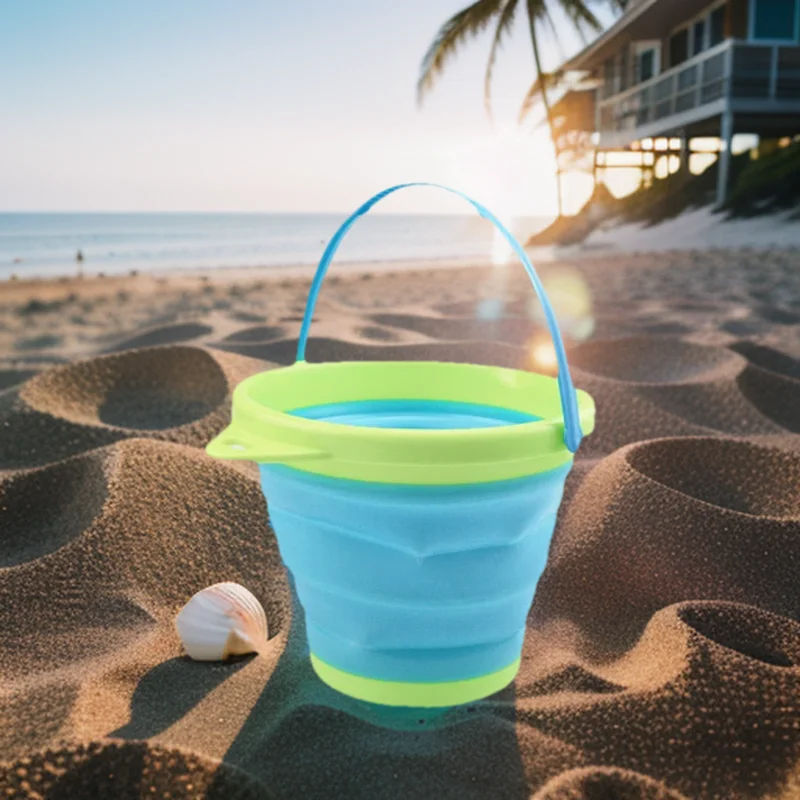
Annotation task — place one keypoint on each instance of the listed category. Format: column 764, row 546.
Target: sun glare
column 543, row 355
column 510, row 170
column 571, row 298
column 501, row 249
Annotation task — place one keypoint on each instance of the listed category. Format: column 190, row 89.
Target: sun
column 510, row 170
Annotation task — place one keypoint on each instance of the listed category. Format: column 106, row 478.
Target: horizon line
column 376, row 212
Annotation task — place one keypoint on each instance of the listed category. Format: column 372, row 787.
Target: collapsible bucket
column 413, row 503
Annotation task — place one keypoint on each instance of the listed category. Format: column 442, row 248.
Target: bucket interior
column 367, row 391
column 415, row 414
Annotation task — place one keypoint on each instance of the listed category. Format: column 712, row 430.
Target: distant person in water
column 79, row 262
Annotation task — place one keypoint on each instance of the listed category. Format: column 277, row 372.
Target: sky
column 257, row 105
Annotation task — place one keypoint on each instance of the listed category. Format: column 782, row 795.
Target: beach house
column 679, row 69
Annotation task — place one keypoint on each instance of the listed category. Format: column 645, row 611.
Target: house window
column 698, row 37
column 646, row 58
column 647, row 65
column 624, row 68
column 716, row 26
column 679, row 47
column 774, row 19
column 609, row 77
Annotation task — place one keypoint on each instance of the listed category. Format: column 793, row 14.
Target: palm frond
column 582, row 17
column 537, row 10
column 467, row 24
column 577, row 12
column 503, row 25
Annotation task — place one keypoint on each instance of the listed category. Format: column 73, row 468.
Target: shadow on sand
column 302, row 739
column 169, row 691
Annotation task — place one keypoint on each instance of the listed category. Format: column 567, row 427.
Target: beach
column 662, row 655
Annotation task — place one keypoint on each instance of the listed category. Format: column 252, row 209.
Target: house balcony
column 760, row 81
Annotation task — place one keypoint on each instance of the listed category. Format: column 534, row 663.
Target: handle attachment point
column 234, row 443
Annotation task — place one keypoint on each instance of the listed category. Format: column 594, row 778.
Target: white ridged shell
column 220, row 621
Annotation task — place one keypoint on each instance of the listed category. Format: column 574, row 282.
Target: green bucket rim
column 263, row 430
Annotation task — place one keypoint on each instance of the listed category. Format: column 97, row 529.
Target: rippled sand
column 663, row 653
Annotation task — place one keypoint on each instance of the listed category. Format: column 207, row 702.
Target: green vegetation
column 762, row 186
column 768, row 184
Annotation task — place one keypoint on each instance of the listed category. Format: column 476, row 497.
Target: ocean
column 46, row 244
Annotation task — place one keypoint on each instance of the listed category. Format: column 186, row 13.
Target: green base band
column 414, row 695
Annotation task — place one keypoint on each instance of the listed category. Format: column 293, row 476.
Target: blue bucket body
column 414, row 583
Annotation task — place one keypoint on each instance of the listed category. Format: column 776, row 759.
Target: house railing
column 732, row 69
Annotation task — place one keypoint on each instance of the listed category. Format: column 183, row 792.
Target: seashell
column 220, row 621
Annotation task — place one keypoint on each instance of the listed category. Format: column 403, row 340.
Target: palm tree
column 474, row 19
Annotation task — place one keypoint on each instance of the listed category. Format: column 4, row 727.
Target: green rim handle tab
column 236, row 443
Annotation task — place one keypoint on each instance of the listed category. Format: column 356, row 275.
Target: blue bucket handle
column 569, row 401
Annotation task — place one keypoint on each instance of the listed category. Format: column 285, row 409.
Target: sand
column 696, row 228
column 663, row 651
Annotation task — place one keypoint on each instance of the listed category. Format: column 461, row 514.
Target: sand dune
column 593, row 782
column 663, row 652
column 127, row 770
column 161, row 335
column 175, row 393
column 733, row 505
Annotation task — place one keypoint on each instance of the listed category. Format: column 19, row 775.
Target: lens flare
column 490, row 309
column 501, row 249
column 543, row 355
column 571, row 300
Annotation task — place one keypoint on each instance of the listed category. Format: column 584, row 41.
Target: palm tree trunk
column 546, row 103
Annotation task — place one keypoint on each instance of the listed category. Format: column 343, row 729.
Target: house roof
column 644, row 19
